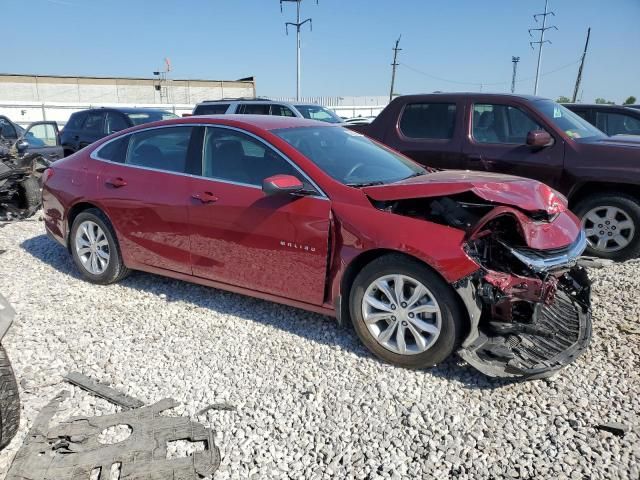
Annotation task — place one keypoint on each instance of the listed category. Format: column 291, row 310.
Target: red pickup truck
column 529, row 137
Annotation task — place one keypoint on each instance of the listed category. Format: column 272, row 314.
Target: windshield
column 350, row 157
column 138, row 118
column 570, row 123
column 316, row 112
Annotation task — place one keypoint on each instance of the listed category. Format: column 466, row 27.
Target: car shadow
column 312, row 326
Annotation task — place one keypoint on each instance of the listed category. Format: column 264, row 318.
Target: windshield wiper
column 365, row 184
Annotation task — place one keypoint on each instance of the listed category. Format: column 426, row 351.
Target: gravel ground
column 301, row 397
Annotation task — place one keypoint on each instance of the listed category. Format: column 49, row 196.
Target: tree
column 602, row 101
column 563, row 99
column 630, row 101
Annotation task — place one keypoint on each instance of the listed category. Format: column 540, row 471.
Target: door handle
column 116, row 182
column 76, row 137
column 205, row 197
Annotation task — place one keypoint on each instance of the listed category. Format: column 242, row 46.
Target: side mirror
column 538, row 138
column 22, row 145
column 278, row 184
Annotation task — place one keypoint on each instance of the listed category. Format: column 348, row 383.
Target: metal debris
column 618, row 429
column 103, row 391
column 217, row 406
column 74, row 449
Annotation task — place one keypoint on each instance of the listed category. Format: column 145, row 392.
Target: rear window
column 214, row 109
column 428, row 120
column 76, row 120
column 138, row 118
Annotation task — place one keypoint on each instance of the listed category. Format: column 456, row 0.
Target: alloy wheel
column 92, row 247
column 608, row 228
column 401, row 314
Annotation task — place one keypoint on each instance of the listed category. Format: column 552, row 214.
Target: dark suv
column 611, row 119
column 529, row 137
column 87, row 126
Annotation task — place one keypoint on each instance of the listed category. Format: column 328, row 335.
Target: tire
column 439, row 346
column 594, row 207
column 9, row 401
column 31, row 195
column 114, row 270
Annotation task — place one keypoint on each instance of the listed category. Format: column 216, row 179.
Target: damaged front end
column 530, row 309
column 529, row 300
column 20, row 196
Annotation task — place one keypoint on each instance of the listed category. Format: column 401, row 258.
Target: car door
column 497, row 143
column 144, row 189
column 8, row 129
column 42, row 138
column 429, row 133
column 239, row 236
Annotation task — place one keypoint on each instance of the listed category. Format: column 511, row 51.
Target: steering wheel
column 354, row 169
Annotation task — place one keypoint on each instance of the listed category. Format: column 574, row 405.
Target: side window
column 160, row 148
column 42, row 135
column 501, row 124
column 237, row 157
column 114, row 151
column 8, row 131
column 94, row 123
column 75, row 121
column 254, row 109
column 212, row 109
column 616, row 123
column 115, row 123
column 281, row 111
column 428, row 120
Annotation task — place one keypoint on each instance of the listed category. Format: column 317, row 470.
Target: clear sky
column 348, row 52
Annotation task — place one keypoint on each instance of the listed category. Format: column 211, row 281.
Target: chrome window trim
column 95, row 156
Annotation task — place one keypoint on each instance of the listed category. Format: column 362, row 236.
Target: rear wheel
column 405, row 313
column 95, row 249
column 612, row 224
column 9, row 401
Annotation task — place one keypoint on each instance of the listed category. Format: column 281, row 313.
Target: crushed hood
column 525, row 194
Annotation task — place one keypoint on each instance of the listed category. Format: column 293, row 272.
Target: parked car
column 318, row 217
column 87, row 126
column 611, row 119
column 260, row 106
column 40, row 138
column 531, row 137
column 359, row 120
column 9, row 396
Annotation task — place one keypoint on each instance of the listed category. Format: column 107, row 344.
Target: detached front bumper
column 526, row 327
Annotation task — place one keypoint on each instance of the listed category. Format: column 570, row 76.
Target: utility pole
column 542, row 41
column 394, row 65
column 515, row 61
column 298, row 24
column 579, row 79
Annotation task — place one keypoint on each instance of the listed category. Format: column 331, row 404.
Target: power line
column 542, row 41
column 394, row 65
column 478, row 84
column 298, row 24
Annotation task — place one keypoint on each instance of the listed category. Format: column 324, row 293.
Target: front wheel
column 612, row 225
column 9, row 401
column 405, row 313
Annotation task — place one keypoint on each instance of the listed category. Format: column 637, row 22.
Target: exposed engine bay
column 20, row 195
column 529, row 307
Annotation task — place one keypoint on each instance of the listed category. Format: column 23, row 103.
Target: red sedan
column 315, row 216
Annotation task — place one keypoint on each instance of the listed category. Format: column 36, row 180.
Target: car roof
column 474, row 95
column 265, row 122
column 124, row 110
column 599, row 105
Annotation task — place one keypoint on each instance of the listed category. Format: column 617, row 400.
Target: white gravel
column 310, row 402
